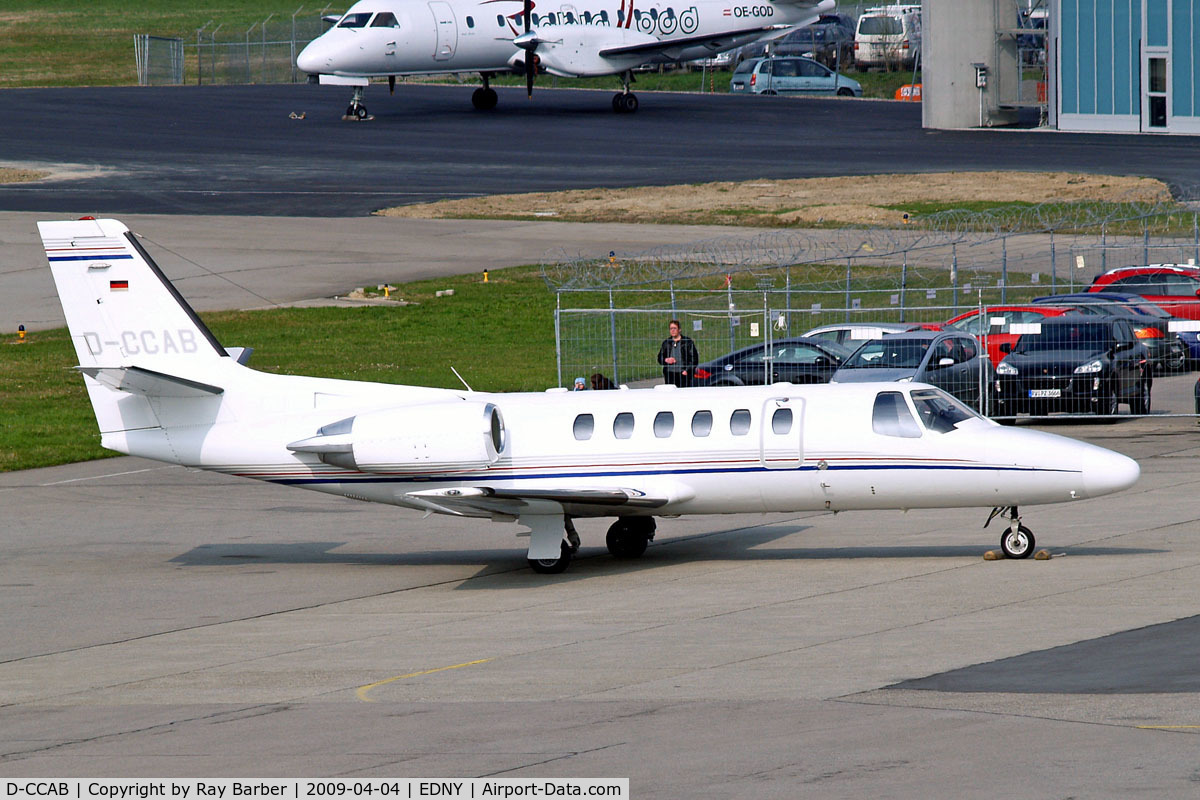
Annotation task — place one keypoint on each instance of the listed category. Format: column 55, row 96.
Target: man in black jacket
column 678, row 357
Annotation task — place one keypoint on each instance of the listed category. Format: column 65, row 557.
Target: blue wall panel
column 1069, row 57
column 1156, row 23
column 1087, row 56
column 1185, row 99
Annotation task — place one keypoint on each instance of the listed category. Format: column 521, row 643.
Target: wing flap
column 484, row 499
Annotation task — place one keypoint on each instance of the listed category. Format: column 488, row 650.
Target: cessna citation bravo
column 163, row 387
column 386, row 38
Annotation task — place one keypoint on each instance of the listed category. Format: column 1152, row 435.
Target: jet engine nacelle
column 434, row 437
column 572, row 51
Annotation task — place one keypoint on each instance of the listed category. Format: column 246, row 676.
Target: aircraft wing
column 471, row 501
column 717, row 41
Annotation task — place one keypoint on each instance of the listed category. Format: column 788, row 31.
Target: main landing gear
column 1017, row 540
column 625, row 101
column 484, row 98
column 627, row 538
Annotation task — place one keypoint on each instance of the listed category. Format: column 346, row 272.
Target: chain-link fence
column 263, row 53
column 954, row 272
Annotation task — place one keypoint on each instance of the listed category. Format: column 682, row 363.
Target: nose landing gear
column 356, row 111
column 1016, row 541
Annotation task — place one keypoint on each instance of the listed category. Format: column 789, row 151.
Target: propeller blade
column 530, row 71
column 528, row 8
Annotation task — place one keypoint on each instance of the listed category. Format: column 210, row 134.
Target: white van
column 888, row 36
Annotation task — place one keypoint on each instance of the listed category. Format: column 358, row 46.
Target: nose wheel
column 356, row 111
column 1017, row 541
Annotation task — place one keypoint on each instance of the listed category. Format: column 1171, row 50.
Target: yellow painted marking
column 363, row 690
column 1168, row 727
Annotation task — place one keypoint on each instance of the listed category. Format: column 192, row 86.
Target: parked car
column 829, row 40
column 791, row 75
column 1174, row 287
column 1076, row 363
column 949, row 360
column 794, row 360
column 888, row 36
column 994, row 326
column 851, row 335
column 1169, row 350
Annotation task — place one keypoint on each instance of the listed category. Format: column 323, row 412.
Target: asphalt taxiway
column 162, row 622
column 238, row 149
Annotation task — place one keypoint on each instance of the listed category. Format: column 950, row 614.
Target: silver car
column 950, row 361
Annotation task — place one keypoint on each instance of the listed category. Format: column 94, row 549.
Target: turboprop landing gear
column 625, row 101
column 1017, row 540
column 484, row 98
column 356, row 111
column 629, row 536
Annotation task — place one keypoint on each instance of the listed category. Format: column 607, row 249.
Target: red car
column 1175, row 287
column 993, row 328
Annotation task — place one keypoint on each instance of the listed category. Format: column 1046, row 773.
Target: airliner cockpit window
column 354, row 20
column 939, row 411
column 385, row 19
column 891, row 417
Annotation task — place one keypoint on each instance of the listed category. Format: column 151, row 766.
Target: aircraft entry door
column 447, row 31
column 781, row 442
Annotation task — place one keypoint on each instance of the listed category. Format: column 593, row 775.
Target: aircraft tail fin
column 135, row 337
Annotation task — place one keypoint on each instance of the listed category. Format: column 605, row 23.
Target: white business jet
column 386, row 38
column 163, row 387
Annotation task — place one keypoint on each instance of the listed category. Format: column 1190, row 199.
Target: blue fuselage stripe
column 87, row 258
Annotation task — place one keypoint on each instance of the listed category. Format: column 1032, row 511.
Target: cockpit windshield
column 385, row 19
column 940, row 412
column 355, row 20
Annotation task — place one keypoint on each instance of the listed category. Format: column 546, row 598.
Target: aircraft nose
column 1106, row 472
column 314, row 57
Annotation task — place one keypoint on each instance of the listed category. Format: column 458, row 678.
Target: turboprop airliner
column 163, row 387
column 386, row 38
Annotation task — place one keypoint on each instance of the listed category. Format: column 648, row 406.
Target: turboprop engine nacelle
column 435, row 436
column 572, row 51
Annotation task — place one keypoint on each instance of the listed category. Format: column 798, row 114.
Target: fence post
column 1145, row 241
column 954, row 274
column 903, row 284
column 847, row 303
column 1004, row 269
column 1053, row 267
column 674, row 311
column 1196, row 235
column 1104, row 248
column 612, row 333
column 729, row 313
column 766, row 339
column 558, row 335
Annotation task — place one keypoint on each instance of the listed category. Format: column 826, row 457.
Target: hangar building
column 1109, row 65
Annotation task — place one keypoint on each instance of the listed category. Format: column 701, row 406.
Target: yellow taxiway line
column 362, row 691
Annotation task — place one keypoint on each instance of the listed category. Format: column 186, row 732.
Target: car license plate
column 1045, row 392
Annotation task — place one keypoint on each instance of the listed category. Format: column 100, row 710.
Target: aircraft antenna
column 460, row 377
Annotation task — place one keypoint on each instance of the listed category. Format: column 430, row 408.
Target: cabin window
column 781, row 421
column 500, row 20
column 664, row 424
column 385, row 19
column 470, row 22
column 623, row 425
column 354, row 21
column 891, row 416
column 939, row 411
column 739, row 422
column 702, row 423
column 584, row 425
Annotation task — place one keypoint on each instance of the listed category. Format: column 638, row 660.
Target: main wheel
column 484, row 99
column 552, row 566
column 628, row 539
column 361, row 112
column 1141, row 401
column 1018, row 543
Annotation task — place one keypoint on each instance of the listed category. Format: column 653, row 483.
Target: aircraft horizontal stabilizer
column 149, row 383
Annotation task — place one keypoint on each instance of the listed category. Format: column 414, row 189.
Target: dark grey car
column 948, row 360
